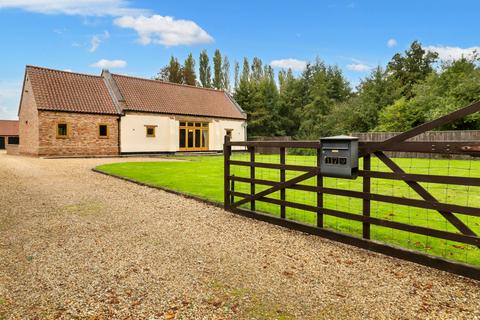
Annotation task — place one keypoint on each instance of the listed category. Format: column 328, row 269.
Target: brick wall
column 83, row 136
column 12, row 149
column 28, row 122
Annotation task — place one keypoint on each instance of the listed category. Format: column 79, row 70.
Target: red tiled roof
column 163, row 97
column 67, row 91
column 8, row 127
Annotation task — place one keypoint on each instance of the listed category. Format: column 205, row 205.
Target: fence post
column 282, row 179
column 366, row 189
column 252, row 176
column 227, row 150
column 319, row 194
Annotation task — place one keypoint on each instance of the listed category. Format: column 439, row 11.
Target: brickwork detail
column 28, row 123
column 82, row 137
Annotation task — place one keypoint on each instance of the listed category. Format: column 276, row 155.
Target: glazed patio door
column 193, row 136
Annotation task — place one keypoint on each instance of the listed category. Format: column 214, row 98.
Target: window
column 182, row 137
column 150, row 131
column 103, row 131
column 13, row 140
column 62, row 130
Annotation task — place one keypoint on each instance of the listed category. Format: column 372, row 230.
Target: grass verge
column 202, row 177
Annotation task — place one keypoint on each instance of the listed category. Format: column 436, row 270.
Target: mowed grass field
column 202, row 176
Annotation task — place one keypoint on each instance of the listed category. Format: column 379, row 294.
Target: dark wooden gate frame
column 366, row 150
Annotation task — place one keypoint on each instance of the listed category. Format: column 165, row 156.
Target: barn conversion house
column 66, row 113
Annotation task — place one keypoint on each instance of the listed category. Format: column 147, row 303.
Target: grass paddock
column 203, row 177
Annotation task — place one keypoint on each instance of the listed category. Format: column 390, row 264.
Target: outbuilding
column 8, row 133
column 67, row 113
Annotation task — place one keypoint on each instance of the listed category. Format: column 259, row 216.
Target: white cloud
column 107, row 64
column 97, row 39
column 392, row 43
column 157, row 29
column 94, row 43
column 294, row 64
column 358, row 67
column 453, row 53
column 75, row 7
column 165, row 30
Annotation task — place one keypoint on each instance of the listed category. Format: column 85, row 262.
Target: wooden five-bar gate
column 463, row 234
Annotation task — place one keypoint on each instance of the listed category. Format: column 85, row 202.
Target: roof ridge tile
column 28, row 66
column 169, row 83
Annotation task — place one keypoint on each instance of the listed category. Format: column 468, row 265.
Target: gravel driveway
column 78, row 244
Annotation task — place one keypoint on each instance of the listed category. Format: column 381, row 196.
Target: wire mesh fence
column 399, row 214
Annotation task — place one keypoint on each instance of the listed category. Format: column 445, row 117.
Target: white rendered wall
column 133, row 132
column 218, row 129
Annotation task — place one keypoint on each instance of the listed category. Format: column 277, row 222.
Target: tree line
column 186, row 74
column 412, row 88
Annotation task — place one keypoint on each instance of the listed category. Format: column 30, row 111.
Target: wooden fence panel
column 430, row 136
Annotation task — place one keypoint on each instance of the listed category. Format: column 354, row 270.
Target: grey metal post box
column 339, row 157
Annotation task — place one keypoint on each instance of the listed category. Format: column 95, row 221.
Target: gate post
column 282, row 179
column 366, row 190
column 227, row 150
column 319, row 194
column 252, row 176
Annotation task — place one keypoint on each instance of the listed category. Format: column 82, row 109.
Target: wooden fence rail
column 236, row 201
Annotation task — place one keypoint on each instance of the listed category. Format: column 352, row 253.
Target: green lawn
column 203, row 177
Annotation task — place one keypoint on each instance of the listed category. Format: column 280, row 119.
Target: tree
column 172, row 72
column 205, row 71
column 244, row 93
column 265, row 114
column 289, row 103
column 374, row 93
column 399, row 116
column 217, row 70
column 257, row 69
column 338, row 87
column 412, row 67
column 324, row 87
column 236, row 75
column 456, row 85
column 320, row 101
column 175, row 71
column 163, row 74
column 282, row 75
column 226, row 74
column 189, row 76
column 245, row 77
column 257, row 93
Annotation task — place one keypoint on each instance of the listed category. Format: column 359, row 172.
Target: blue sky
column 138, row 37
